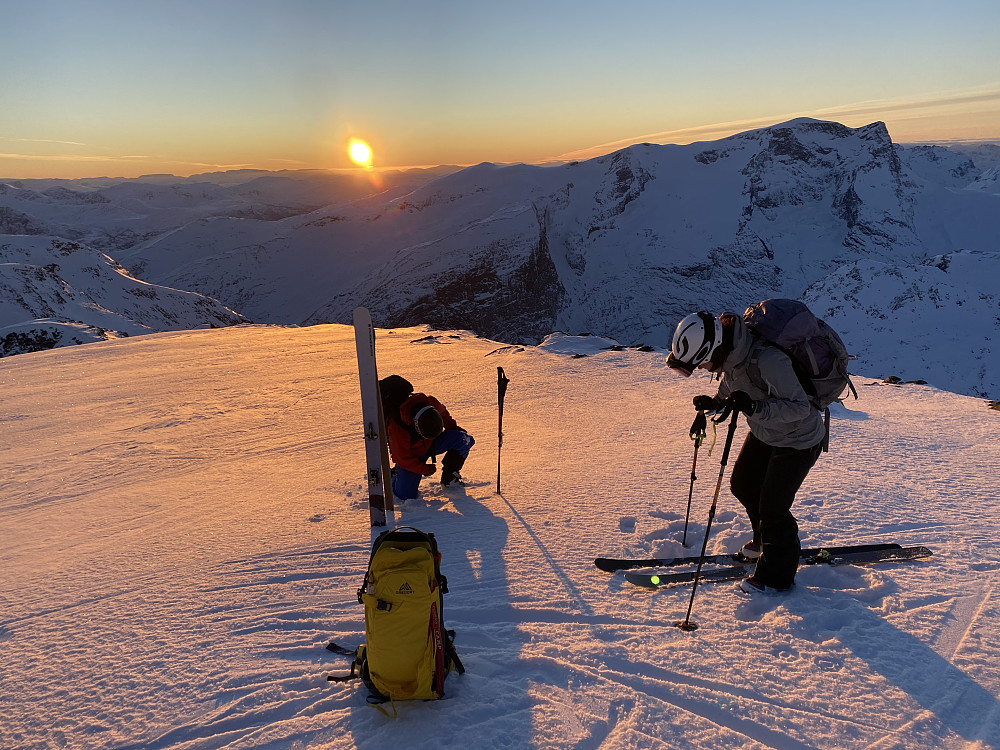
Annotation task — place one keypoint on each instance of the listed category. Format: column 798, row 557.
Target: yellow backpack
column 408, row 653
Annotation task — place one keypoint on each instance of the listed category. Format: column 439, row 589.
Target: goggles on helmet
column 696, row 338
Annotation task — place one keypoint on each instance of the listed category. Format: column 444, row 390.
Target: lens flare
column 360, row 152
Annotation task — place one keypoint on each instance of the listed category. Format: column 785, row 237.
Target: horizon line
column 679, row 137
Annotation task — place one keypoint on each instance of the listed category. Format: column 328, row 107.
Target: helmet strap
column 725, row 348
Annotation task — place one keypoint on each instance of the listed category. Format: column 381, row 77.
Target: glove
column 741, row 401
column 698, row 427
column 707, row 403
column 428, row 470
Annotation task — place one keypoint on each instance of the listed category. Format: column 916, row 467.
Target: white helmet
column 695, row 341
column 428, row 423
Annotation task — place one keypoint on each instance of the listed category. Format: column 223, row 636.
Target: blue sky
column 114, row 87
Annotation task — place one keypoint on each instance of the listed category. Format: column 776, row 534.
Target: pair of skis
column 376, row 444
column 735, row 566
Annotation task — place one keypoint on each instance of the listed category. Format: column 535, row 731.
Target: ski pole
column 686, row 623
column 697, row 434
column 502, row 381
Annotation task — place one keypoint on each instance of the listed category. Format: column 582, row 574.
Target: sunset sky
column 131, row 87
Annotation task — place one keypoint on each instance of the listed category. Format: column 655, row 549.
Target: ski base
column 380, row 502
column 613, row 564
column 855, row 556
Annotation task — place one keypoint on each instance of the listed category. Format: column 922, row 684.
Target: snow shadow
column 957, row 701
column 841, row 411
column 491, row 699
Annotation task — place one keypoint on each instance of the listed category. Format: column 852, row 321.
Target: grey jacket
column 783, row 418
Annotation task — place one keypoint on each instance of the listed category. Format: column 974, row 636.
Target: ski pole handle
column 698, row 427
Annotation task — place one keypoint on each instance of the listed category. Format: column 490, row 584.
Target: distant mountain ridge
column 56, row 292
column 892, row 244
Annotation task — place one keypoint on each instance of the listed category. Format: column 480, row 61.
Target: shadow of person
column 950, row 700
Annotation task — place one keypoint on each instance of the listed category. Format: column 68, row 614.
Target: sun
column 360, row 152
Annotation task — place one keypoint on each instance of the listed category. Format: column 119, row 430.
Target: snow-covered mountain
column 626, row 244
column 56, row 292
column 57, row 287
column 116, row 214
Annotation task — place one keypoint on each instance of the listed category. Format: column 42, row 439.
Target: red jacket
column 408, row 449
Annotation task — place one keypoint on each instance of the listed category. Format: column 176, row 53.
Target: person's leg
column 405, row 483
column 748, row 479
column 455, row 444
column 779, row 531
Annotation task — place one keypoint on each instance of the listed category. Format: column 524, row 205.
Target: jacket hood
column 742, row 344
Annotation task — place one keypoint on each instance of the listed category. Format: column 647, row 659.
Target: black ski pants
column 765, row 480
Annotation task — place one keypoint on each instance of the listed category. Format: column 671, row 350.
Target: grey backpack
column 818, row 354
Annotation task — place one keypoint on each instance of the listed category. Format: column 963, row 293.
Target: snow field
column 183, row 529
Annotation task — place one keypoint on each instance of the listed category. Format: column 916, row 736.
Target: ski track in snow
column 184, row 528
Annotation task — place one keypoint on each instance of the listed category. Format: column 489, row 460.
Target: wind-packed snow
column 183, row 528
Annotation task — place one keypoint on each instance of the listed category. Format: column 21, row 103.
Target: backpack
column 394, row 390
column 407, row 653
column 818, row 354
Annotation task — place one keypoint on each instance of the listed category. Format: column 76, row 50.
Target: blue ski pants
column 405, row 482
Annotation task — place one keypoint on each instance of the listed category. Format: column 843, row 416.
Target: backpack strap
column 826, row 434
column 753, row 370
column 440, row 669
column 331, row 646
column 452, row 654
column 359, row 670
column 850, row 385
column 344, row 677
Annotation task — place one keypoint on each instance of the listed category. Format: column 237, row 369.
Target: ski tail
column 861, row 556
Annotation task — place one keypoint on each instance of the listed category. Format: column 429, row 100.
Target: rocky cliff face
column 489, row 297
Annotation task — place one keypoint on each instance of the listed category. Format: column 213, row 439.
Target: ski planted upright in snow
column 376, row 444
column 860, row 556
column 613, row 564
